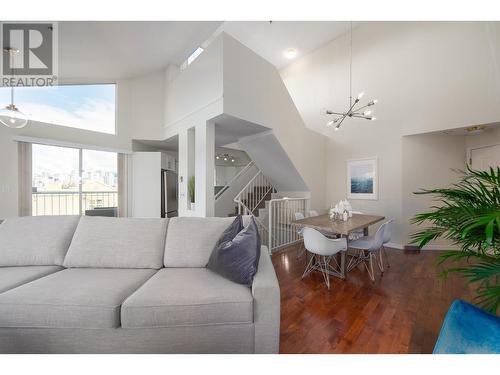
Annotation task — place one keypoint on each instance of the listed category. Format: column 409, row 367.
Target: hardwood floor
column 400, row 312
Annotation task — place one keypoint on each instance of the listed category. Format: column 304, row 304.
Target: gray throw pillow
column 237, row 258
column 231, row 231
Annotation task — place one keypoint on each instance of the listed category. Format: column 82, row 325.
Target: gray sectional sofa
column 121, row 285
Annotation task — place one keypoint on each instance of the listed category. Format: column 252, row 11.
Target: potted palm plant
column 468, row 214
column 191, row 189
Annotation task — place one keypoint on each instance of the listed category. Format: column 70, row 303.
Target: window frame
column 80, row 173
column 115, row 103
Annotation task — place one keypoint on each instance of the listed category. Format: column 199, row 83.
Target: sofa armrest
column 266, row 306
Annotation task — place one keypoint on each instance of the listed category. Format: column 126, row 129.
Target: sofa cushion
column 72, row 298
column 36, row 240
column 11, row 277
column 190, row 240
column 187, row 296
column 117, row 243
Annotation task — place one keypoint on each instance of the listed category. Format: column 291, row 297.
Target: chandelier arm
column 341, row 121
column 363, row 107
column 364, row 117
column 334, row 113
column 351, row 108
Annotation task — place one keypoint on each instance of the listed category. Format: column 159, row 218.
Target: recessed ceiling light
column 290, row 53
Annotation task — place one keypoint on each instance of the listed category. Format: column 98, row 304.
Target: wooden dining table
column 329, row 227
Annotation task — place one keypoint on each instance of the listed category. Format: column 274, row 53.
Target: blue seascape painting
column 362, row 179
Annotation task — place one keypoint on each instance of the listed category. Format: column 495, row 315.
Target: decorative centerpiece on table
column 342, row 211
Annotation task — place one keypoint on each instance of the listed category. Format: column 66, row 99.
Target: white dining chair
column 313, row 213
column 367, row 248
column 387, row 238
column 323, row 252
column 300, row 216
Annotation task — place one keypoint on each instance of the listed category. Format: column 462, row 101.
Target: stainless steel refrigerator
column 168, row 193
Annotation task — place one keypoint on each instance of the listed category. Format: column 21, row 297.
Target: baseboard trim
column 394, row 245
column 400, row 246
column 440, row 247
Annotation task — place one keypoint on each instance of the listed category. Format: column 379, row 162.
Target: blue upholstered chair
column 467, row 329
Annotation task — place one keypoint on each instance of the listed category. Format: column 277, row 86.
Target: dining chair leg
column 386, row 257
column 369, row 266
column 301, row 251
column 383, row 254
column 355, row 260
column 380, row 260
column 324, row 271
column 343, row 264
column 309, row 266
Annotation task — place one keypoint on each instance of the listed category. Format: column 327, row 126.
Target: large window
column 88, row 107
column 72, row 181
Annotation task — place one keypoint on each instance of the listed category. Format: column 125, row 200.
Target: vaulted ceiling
column 114, row 50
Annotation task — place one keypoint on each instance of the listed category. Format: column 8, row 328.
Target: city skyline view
column 57, row 168
column 56, row 180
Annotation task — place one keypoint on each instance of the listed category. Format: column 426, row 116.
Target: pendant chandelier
column 356, row 109
column 11, row 116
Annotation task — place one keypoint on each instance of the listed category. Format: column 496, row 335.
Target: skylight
column 194, row 55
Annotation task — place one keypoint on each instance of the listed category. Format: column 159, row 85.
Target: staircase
column 251, row 200
column 253, row 196
column 260, row 199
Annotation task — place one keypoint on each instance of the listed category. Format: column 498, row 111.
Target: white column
column 185, row 169
column 204, row 169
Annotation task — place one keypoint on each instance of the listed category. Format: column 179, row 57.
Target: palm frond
column 468, row 214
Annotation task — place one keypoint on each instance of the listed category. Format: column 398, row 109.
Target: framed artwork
column 362, row 178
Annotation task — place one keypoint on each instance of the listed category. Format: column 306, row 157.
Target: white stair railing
column 235, row 178
column 251, row 197
column 253, row 194
column 281, row 232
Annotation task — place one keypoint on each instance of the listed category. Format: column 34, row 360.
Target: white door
column 485, row 157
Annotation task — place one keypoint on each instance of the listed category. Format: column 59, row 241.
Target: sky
column 90, row 107
column 65, row 160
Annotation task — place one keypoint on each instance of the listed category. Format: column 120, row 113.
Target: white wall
column 255, row 92
column 274, row 162
column 225, row 173
column 147, row 99
column 486, row 138
column 428, row 76
column 428, row 161
column 146, row 184
column 196, row 87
